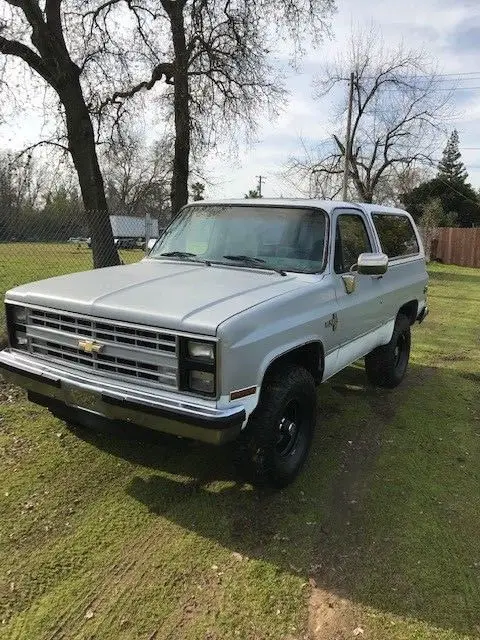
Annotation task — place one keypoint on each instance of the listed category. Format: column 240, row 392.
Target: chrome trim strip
column 413, row 257
column 200, row 420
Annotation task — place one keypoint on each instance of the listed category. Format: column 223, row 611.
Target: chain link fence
column 35, row 246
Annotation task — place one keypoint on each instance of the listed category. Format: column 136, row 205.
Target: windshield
column 261, row 237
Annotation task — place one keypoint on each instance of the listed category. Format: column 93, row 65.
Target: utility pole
column 348, row 141
column 260, row 180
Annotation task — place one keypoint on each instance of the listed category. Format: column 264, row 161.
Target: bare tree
column 394, row 184
column 137, row 175
column 214, row 58
column 37, row 35
column 98, row 57
column 399, row 110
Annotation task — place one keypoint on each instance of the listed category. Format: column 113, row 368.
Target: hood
column 170, row 295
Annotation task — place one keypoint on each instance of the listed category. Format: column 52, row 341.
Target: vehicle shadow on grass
column 330, row 524
column 457, row 277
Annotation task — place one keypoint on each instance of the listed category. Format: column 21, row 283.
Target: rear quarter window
column 396, row 234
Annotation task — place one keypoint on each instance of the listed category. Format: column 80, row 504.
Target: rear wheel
column 386, row 366
column 280, row 431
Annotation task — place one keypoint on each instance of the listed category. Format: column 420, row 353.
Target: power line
column 460, row 74
column 456, row 191
column 402, row 88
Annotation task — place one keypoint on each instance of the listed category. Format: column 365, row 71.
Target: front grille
column 127, row 351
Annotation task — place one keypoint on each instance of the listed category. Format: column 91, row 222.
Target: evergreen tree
column 197, row 190
column 460, row 202
column 451, row 167
column 253, row 193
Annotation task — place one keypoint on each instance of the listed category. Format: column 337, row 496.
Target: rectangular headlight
column 201, row 350
column 202, row 381
column 197, row 366
column 19, row 314
column 16, row 324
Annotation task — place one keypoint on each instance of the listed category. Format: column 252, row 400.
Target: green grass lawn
column 112, row 536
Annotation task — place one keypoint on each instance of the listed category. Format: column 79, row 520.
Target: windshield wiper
column 184, row 254
column 246, row 259
column 252, row 260
column 179, row 254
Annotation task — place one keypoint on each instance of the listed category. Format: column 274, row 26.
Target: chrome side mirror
column 372, row 264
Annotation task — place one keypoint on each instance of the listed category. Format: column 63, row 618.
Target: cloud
column 430, row 24
column 465, row 35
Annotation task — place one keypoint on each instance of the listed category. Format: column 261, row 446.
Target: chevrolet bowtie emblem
column 88, row 346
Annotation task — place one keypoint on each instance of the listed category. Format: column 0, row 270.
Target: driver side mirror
column 372, row 264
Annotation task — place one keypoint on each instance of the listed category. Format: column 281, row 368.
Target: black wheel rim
column 291, row 431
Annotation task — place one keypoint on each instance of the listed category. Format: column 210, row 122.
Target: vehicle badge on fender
column 333, row 322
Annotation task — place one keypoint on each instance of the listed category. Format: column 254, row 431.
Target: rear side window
column 396, row 234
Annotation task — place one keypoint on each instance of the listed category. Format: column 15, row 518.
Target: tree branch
column 163, row 69
column 340, row 144
column 94, row 13
column 54, row 20
column 20, row 50
column 40, row 143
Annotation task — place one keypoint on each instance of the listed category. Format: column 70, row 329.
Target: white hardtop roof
column 326, row 205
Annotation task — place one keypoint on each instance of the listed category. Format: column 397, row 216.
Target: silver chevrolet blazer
column 224, row 330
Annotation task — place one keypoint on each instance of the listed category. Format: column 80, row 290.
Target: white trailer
column 133, row 227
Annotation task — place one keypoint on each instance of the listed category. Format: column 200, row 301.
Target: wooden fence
column 456, row 246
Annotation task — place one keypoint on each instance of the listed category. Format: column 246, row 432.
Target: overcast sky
column 448, row 30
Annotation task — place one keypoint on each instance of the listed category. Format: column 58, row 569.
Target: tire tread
column 379, row 363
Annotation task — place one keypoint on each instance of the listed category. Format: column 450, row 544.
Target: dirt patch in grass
column 333, row 615
column 9, row 393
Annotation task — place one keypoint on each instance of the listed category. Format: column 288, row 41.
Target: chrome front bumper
column 141, row 406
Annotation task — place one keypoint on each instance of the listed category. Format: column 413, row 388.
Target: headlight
column 201, row 350
column 21, row 340
column 202, row 381
column 17, row 330
column 19, row 315
column 197, row 366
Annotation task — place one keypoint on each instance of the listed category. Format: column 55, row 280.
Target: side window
column 396, row 234
column 351, row 239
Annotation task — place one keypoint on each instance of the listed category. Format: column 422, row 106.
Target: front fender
column 249, row 342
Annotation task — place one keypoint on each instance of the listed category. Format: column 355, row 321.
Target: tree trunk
column 179, row 192
column 363, row 188
column 81, row 142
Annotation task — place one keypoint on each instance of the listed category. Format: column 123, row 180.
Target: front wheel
column 279, row 432
column 386, row 366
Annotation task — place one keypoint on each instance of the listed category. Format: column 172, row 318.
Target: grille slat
column 128, row 352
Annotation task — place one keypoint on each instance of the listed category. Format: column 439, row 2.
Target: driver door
column 358, row 296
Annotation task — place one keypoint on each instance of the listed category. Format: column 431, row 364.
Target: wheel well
column 310, row 356
column 410, row 309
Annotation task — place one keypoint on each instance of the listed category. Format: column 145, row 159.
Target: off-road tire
column 271, row 452
column 386, row 366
